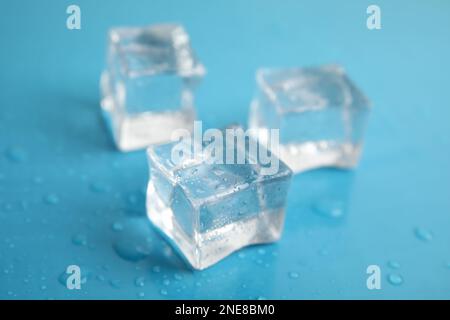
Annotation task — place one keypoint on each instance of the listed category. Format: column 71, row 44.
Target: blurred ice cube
column 319, row 111
column 147, row 87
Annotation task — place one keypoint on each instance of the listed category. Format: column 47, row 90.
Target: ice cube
column 208, row 209
column 319, row 111
column 148, row 85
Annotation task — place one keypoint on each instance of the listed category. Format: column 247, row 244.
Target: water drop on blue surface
column 117, row 226
column 178, row 276
column 329, row 208
column 128, row 250
column 395, row 279
column 241, row 255
column 156, row 269
column 79, row 239
column 393, row 264
column 98, row 187
column 166, row 282
column 423, row 234
column 51, row 199
column 293, row 275
column 261, row 251
column 16, row 154
column 133, row 243
column 139, row 282
column 38, row 180
column 115, row 284
column 163, row 292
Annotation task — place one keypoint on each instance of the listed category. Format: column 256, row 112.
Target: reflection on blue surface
column 68, row 197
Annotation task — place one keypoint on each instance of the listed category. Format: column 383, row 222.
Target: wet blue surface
column 68, row 197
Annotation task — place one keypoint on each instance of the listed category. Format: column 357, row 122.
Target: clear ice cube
column 319, row 111
column 147, row 87
column 209, row 210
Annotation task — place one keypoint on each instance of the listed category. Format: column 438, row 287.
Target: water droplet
column 156, row 269
column 51, row 199
column 241, row 255
column 16, row 154
column 139, row 282
column 141, row 294
column 166, row 282
column 261, row 251
column 43, row 287
column 329, row 208
column 101, row 278
column 423, row 234
column 129, row 250
column 114, row 283
column 393, row 264
column 163, row 292
column 395, row 279
column 98, row 187
column 261, row 298
column 293, row 275
column 178, row 276
column 38, row 180
column 117, row 226
column 79, row 239
column 132, row 243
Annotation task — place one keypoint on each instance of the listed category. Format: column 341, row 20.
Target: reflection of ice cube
column 211, row 210
column 320, row 113
column 147, row 87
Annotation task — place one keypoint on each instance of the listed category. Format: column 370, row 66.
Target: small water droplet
column 166, row 282
column 16, row 154
column 139, row 282
column 156, row 269
column 117, row 226
column 178, row 276
column 261, row 298
column 51, row 199
column 114, row 283
column 241, row 255
column 395, row 279
column 98, row 187
column 163, row 292
column 79, row 239
column 393, row 264
column 423, row 234
column 43, row 287
column 329, row 208
column 38, row 180
column 261, row 251
column 129, row 250
column 293, row 275
column 141, row 294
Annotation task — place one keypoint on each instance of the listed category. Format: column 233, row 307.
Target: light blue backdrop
column 68, row 197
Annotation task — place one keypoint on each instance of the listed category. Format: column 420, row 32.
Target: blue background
column 68, row 197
